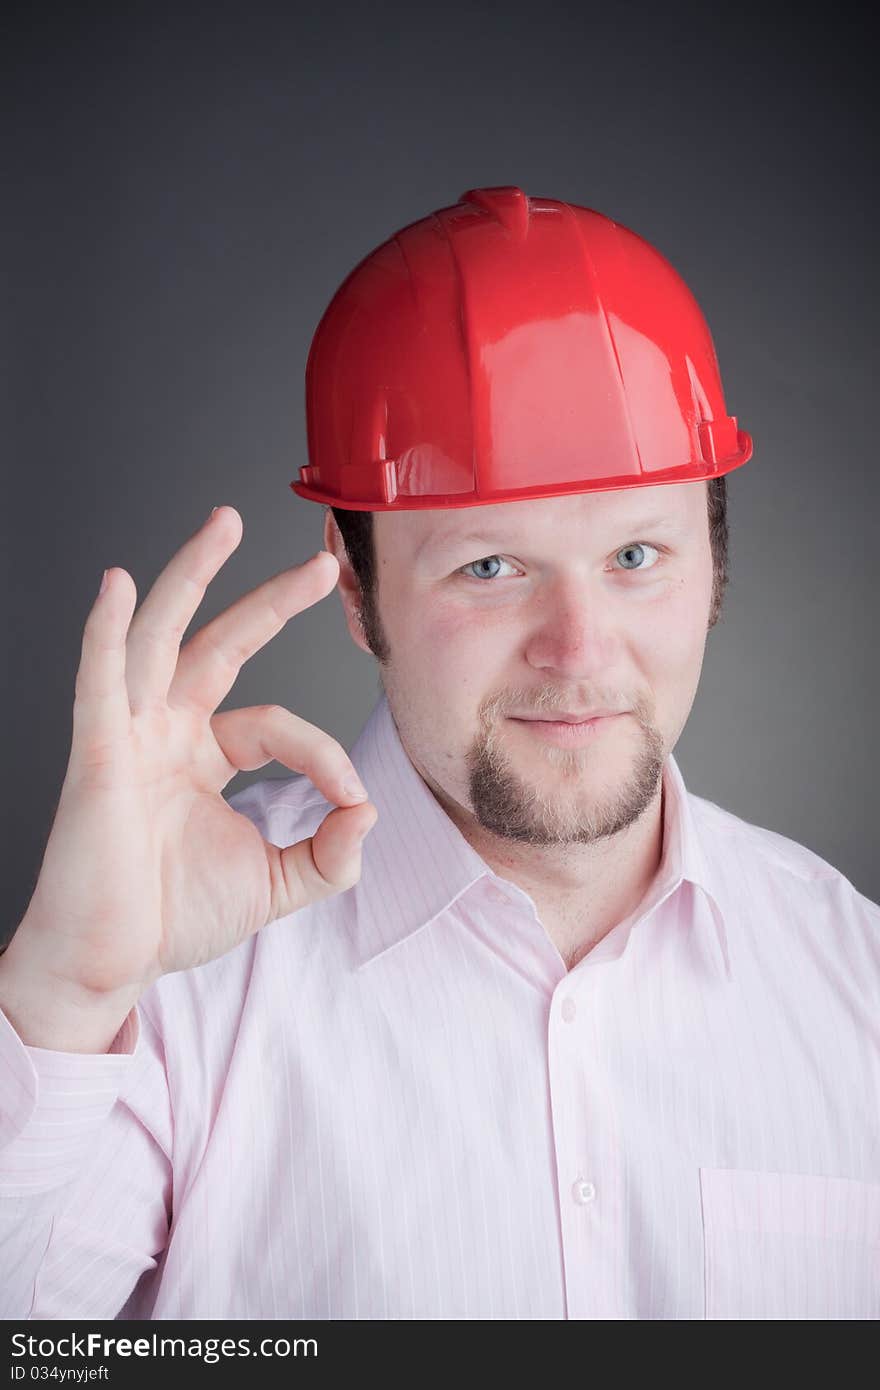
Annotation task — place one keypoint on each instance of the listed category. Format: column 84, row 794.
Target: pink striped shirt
column 399, row 1103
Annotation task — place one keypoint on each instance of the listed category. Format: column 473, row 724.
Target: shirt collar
column 416, row 861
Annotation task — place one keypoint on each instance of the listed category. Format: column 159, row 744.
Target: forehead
column 679, row 506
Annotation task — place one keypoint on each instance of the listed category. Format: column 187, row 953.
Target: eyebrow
column 638, row 529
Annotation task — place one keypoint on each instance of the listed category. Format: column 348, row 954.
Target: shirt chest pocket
column 789, row 1245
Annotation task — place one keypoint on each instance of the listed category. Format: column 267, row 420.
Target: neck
column 580, row 892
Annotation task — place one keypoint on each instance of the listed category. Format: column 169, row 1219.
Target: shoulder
column 765, row 846
column 753, row 857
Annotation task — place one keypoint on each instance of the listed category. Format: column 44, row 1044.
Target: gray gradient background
column 185, row 191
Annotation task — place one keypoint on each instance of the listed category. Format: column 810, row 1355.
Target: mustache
column 548, row 703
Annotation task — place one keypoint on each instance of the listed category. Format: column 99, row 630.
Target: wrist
column 56, row 1014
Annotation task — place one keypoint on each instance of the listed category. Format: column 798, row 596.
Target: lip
column 567, row 732
column 566, row 717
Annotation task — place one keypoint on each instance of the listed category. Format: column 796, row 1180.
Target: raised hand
column 147, row 869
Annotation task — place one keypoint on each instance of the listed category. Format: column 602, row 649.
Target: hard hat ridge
column 507, row 204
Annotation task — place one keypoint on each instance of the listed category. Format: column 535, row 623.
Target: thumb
column 325, row 863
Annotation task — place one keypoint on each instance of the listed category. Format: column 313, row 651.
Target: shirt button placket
column 571, row 1065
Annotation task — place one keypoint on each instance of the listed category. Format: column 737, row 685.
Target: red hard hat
column 511, row 347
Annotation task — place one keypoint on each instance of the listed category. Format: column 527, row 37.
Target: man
column 571, row 1041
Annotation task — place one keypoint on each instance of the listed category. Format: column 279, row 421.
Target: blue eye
column 486, row 560
column 636, row 561
column 636, row 552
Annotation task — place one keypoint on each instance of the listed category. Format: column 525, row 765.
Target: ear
column 347, row 584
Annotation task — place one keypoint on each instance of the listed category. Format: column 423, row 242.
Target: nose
column 573, row 631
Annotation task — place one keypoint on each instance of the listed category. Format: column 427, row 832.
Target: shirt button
column 583, row 1191
column 568, row 1010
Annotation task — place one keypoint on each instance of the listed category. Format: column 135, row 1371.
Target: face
column 493, row 615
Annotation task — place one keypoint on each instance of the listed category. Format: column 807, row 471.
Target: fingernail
column 103, row 583
column 353, row 787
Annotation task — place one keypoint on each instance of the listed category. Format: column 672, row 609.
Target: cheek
column 671, row 633
column 458, row 650
column 451, row 628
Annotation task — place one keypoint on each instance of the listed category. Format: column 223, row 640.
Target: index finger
column 209, row 663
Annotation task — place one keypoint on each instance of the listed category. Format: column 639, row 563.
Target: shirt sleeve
column 85, row 1172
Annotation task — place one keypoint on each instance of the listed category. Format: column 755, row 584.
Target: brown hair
column 356, row 529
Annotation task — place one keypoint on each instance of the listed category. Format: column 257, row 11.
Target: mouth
column 568, row 717
column 569, row 730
